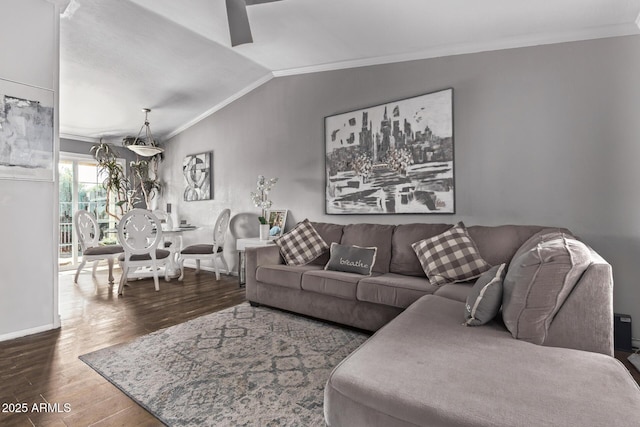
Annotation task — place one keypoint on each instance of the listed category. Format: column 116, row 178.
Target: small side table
column 241, row 245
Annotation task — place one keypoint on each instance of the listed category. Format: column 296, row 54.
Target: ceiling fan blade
column 239, row 28
column 252, row 2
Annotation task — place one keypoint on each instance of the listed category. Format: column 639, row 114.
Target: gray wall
column 82, row 147
column 543, row 135
column 28, row 263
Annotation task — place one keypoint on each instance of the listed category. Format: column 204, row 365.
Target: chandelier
column 143, row 145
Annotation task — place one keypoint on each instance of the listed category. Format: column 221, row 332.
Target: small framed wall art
column 392, row 158
column 197, row 170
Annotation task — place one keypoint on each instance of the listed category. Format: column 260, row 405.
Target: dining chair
column 88, row 234
column 206, row 251
column 140, row 233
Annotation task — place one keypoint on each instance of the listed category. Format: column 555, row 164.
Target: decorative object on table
column 26, row 132
column 143, row 186
column 229, row 351
column 277, row 221
column 264, row 228
column 260, row 198
column 143, row 144
column 392, row 158
column 140, row 233
column 209, row 251
column 198, row 173
column 88, row 233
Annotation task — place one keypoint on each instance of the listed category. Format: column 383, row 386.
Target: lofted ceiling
column 175, row 57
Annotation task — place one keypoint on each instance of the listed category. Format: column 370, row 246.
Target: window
column 80, row 188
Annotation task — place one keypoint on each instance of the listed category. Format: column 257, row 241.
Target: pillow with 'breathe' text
column 351, row 259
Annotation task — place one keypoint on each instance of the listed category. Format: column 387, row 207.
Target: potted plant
column 144, row 185
column 260, row 199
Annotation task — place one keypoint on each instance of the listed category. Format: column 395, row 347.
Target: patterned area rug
column 244, row 366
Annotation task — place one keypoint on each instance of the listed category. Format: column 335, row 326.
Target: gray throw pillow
column 351, row 259
column 485, row 298
column 541, row 276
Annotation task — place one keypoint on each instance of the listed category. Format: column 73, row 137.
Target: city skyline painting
column 392, row 158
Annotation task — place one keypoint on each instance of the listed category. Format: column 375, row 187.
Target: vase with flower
column 260, row 199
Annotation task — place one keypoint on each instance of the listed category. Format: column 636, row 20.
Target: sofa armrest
column 254, row 258
column 585, row 320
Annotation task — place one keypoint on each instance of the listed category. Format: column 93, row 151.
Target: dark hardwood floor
column 44, row 368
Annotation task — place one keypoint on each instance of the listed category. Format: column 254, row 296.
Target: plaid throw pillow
column 301, row 245
column 450, row 257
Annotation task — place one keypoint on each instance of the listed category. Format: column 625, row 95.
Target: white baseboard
column 25, row 332
column 635, row 342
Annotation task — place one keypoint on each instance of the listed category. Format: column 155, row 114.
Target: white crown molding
column 78, row 137
column 467, row 48
column 62, row 4
column 221, row 105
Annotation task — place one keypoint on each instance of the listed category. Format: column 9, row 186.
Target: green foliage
column 143, row 185
column 262, row 220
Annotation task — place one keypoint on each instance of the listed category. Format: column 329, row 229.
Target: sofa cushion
column 371, row 235
column 393, row 289
column 455, row 291
column 498, row 244
column 104, row 250
column 301, row 245
column 351, row 259
column 288, row 276
column 541, row 276
column 450, row 257
column 160, row 254
column 485, row 299
column 403, row 257
column 334, row 283
column 425, row 368
column 330, row 233
column 199, row 249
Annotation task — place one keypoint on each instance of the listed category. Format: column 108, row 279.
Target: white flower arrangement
column 260, row 198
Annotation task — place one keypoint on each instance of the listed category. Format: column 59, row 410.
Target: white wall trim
column 466, row 48
column 222, row 104
column 78, row 137
column 25, row 332
column 56, row 179
column 635, row 342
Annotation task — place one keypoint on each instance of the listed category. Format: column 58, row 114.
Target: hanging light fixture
column 143, row 145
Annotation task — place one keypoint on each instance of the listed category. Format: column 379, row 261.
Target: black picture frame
column 392, row 158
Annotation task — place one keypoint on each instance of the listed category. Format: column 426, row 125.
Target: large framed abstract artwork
column 198, row 173
column 392, row 158
column 26, row 132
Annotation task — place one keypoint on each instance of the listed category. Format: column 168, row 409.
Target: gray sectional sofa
column 423, row 366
